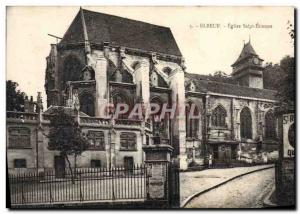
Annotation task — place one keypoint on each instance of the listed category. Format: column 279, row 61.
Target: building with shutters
column 105, row 59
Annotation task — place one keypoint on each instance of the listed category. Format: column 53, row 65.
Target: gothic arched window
column 118, row 76
column 246, row 123
column 270, row 125
column 159, row 123
column 87, row 104
column 219, row 116
column 126, row 76
column 192, row 124
column 121, row 99
column 72, row 69
column 19, row 137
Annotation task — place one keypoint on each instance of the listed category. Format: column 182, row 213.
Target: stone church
column 108, row 59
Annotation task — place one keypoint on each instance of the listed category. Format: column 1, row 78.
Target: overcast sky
column 206, row 50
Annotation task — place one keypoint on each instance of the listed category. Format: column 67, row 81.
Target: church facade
column 106, row 59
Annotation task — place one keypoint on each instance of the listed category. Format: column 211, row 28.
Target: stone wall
column 28, row 153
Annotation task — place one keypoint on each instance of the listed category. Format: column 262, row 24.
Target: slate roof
column 247, row 51
column 121, row 32
column 205, row 86
column 197, row 77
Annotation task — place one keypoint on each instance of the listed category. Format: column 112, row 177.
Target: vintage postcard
column 150, row 107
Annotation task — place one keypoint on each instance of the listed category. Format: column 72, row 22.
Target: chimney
column 26, row 104
column 39, row 103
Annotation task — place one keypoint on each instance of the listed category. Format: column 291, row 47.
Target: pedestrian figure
column 239, row 154
column 258, row 147
column 265, row 157
column 210, row 161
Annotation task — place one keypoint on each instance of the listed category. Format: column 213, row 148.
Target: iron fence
column 83, row 185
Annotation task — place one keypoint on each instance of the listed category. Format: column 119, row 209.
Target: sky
column 206, row 49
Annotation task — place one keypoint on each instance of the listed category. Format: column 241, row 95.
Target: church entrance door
column 224, row 154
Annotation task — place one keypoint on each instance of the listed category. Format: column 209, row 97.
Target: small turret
column 247, row 69
column 39, row 103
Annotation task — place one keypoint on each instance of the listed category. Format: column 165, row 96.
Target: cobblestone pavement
column 247, row 191
column 194, row 182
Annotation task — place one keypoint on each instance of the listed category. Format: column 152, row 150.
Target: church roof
column 121, row 31
column 247, row 51
column 205, row 86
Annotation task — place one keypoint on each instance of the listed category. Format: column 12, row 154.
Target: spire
column 87, row 46
column 247, row 51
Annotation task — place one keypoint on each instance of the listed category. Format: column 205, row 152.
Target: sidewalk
column 194, row 182
column 270, row 199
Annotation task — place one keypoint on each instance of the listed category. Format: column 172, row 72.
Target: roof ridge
column 120, row 17
column 85, row 33
column 241, row 86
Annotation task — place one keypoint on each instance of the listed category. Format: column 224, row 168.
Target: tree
column 14, row 98
column 272, row 76
column 287, row 87
column 220, row 76
column 291, row 30
column 286, row 90
column 65, row 135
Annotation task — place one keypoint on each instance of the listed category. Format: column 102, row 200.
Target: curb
column 184, row 203
column 267, row 202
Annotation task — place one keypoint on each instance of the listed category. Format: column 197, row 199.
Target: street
column 247, row 191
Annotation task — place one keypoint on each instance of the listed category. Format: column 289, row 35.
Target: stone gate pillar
column 157, row 160
column 285, row 170
column 40, row 143
column 40, row 149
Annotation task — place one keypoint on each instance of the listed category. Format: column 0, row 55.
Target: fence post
column 50, row 189
column 112, row 180
column 81, row 196
column 22, row 178
column 147, row 182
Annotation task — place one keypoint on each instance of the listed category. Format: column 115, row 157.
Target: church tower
column 247, row 69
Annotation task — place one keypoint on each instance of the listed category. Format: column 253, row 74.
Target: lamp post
column 193, row 158
column 110, row 132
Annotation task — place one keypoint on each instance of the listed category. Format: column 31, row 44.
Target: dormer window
column 88, row 74
column 118, row 76
column 192, row 87
column 167, row 71
column 154, row 79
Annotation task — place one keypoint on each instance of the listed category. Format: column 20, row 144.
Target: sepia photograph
column 150, row 107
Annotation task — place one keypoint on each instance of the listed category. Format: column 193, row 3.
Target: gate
column 173, row 186
column 85, row 185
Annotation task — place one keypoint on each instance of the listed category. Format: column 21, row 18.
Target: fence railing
column 84, row 185
column 21, row 115
column 127, row 122
column 94, row 120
